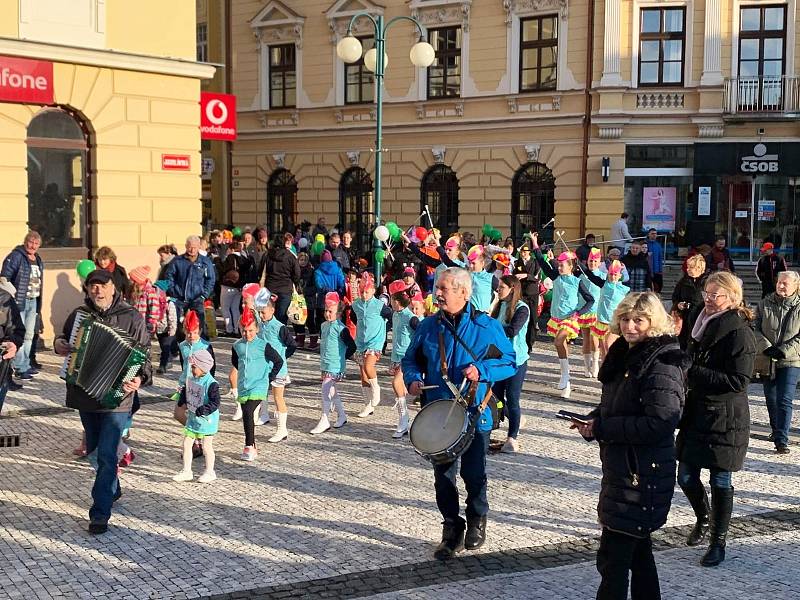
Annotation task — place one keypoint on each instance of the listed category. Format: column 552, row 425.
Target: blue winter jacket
column 656, row 253
column 190, row 281
column 17, row 269
column 328, row 277
column 478, row 331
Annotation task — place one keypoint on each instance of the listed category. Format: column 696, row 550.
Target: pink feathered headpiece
column 332, row 298
column 565, row 256
column 475, row 252
column 595, row 253
column 615, row 267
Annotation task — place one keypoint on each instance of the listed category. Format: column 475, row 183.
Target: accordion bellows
column 102, row 360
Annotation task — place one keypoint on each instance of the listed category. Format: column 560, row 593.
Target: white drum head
column 432, row 431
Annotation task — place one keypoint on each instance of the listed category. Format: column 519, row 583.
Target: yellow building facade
column 114, row 158
column 511, row 124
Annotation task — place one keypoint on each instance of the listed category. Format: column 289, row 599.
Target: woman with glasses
column 715, row 427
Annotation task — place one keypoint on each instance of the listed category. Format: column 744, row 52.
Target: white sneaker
column 322, row 426
column 367, row 410
column 249, row 453
column 510, row 447
column 207, row 477
column 183, row 476
column 237, row 416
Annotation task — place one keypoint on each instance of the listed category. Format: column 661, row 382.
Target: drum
column 442, row 431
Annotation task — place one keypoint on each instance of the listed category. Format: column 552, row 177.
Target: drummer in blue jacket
column 477, row 349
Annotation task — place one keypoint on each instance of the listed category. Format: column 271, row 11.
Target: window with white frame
column 662, row 46
column 538, row 53
column 444, row 75
column 282, row 76
column 359, row 82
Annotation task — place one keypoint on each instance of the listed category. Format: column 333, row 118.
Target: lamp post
column 349, row 50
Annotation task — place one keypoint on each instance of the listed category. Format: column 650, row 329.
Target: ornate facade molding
column 609, row 132
column 660, row 100
column 281, row 119
column 341, row 12
column 280, row 160
column 532, row 152
column 530, row 105
column 437, row 13
column 710, row 130
column 438, row 154
column 353, row 156
column 440, row 110
column 526, row 7
column 276, row 23
column 345, row 116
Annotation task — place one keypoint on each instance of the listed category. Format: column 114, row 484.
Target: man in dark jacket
column 103, row 426
column 527, row 271
column 640, row 276
column 768, row 268
column 24, row 269
column 12, row 333
column 191, row 279
column 281, row 272
column 339, row 252
column 582, row 251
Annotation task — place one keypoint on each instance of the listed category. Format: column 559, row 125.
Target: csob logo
column 760, row 161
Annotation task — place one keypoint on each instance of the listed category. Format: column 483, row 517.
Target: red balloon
column 421, row 233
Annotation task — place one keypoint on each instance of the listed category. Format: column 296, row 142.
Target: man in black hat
column 103, row 427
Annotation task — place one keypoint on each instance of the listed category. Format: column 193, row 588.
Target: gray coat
column 772, row 312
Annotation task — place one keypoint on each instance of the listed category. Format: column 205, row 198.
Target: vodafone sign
column 217, row 116
column 26, row 81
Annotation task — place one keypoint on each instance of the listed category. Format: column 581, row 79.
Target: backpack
column 162, row 304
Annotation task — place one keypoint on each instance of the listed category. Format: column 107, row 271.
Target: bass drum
column 442, row 431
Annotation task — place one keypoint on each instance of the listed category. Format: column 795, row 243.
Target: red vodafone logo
column 217, row 116
column 26, row 81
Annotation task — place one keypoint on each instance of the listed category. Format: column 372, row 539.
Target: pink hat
column 397, row 286
column 139, row 275
column 452, row 243
column 332, row 298
column 409, row 271
column 475, row 252
column 327, row 256
column 565, row 256
column 251, row 289
column 615, row 267
column 418, row 297
column 595, row 253
column 367, row 279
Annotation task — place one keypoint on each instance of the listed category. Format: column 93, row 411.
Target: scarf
column 702, row 322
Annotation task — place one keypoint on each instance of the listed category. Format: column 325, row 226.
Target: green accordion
column 102, row 360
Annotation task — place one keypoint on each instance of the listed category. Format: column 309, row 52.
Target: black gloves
column 775, row 353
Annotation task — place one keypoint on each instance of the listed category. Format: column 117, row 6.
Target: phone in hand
column 574, row 417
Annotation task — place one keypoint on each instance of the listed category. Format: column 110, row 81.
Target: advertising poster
column 766, row 210
column 704, row 201
column 659, row 208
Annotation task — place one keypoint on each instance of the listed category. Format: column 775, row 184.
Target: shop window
column 439, row 191
column 762, row 47
column 359, row 81
column 57, row 189
column 538, row 53
column 281, row 201
column 444, row 75
column 356, row 209
column 662, row 46
column 282, row 76
column 532, row 199
column 202, row 42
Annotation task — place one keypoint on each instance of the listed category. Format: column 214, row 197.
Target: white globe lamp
column 371, row 59
column 422, row 54
column 349, row 49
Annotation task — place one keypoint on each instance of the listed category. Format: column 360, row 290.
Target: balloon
column 236, row 231
column 318, row 248
column 302, row 243
column 495, row 235
column 486, row 229
column 380, row 255
column 382, row 233
column 84, row 267
column 397, row 235
column 421, row 233
column 319, row 238
column 392, row 226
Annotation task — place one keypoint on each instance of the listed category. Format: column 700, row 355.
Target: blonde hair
column 696, row 261
column 733, row 287
column 648, row 305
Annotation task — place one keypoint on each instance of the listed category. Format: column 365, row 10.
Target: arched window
column 439, row 191
column 281, row 201
column 57, row 188
column 356, row 209
column 532, row 200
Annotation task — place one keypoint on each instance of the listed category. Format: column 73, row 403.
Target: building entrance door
column 735, row 221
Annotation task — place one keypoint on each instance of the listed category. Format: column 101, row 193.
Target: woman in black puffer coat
column 688, row 295
column 715, row 428
column 640, row 406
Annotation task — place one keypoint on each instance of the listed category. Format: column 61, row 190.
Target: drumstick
column 428, row 212
column 453, row 405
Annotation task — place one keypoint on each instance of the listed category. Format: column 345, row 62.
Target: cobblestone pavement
column 349, row 513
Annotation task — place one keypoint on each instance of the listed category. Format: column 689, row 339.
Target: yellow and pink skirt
column 586, row 320
column 555, row 325
column 600, row 330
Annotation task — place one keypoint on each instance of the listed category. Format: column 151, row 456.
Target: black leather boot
column 452, row 540
column 476, row 533
column 721, row 508
column 698, row 498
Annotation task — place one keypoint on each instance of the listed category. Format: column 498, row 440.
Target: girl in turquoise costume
column 200, row 396
column 336, row 346
column 612, row 292
column 370, row 316
column 254, row 365
column 484, row 284
column 591, row 354
column 277, row 335
column 404, row 323
column 570, row 299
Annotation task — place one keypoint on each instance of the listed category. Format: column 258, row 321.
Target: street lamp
column 349, row 50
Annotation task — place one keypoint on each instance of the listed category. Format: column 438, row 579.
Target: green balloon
column 548, row 296
column 496, row 234
column 487, row 229
column 380, row 255
column 85, row 267
column 236, row 231
column 317, row 248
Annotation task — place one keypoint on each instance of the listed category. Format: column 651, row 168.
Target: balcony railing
column 762, row 95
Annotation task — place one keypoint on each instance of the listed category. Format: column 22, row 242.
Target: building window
column 282, row 76
column 662, row 37
column 359, row 81
column 762, row 47
column 439, row 192
column 538, row 52
column 532, row 200
column 202, row 42
column 281, row 201
column 57, row 189
column 444, row 75
column 356, row 209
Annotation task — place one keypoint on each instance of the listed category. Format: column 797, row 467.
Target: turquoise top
column 197, row 396
column 254, row 369
column 481, row 290
column 593, row 289
column 401, row 333
column 370, row 326
column 438, row 270
column 332, row 350
column 186, row 351
column 271, row 332
column 519, row 341
column 566, row 298
column 610, row 296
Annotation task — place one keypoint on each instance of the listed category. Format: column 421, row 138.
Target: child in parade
column 591, row 353
column 336, row 346
column 612, row 292
column 514, row 315
column 570, row 299
column 277, row 335
column 370, row 316
column 254, row 365
column 404, row 323
column 451, row 250
column 167, row 327
column 201, row 398
column 484, row 284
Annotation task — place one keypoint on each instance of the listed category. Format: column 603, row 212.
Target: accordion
column 103, row 358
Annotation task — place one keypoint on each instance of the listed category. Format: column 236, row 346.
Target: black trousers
column 533, row 304
column 620, row 554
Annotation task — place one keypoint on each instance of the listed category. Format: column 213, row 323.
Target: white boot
column 587, row 364
column 322, row 426
column 566, row 391
column 237, row 415
column 595, row 363
column 564, row 364
column 261, row 416
column 282, row 433
column 341, row 415
column 402, row 420
column 375, row 390
column 366, row 392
